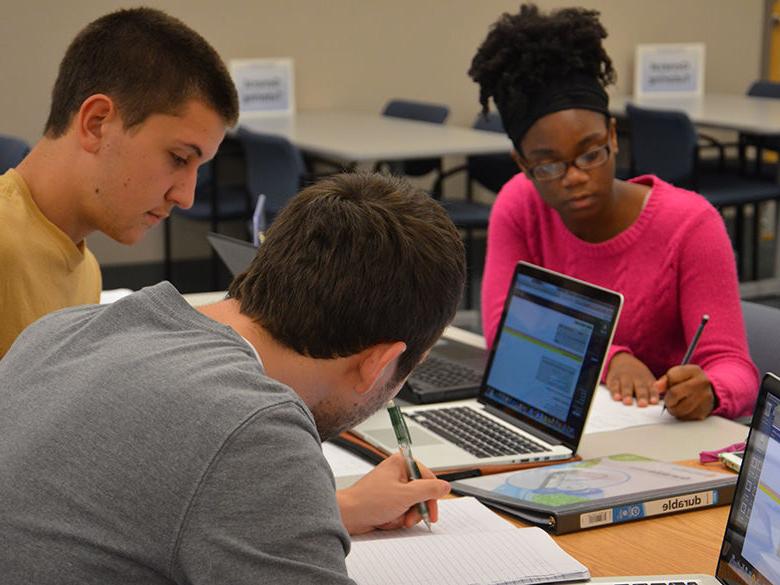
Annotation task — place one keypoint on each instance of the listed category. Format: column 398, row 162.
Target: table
column 680, row 543
column 741, row 113
column 355, row 137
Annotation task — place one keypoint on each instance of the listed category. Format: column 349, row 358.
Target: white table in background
column 354, row 137
column 741, row 113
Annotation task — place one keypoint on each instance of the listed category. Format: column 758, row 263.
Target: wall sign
column 669, row 70
column 265, row 86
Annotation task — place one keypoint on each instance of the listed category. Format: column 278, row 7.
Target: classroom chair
column 12, row 151
column 767, row 89
column 665, row 143
column 762, row 324
column 490, row 171
column 247, row 164
column 421, row 112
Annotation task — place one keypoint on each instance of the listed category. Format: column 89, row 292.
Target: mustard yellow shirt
column 41, row 269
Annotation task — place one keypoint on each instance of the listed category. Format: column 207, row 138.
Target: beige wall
column 357, row 53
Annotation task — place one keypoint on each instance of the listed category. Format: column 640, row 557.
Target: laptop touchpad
column 420, row 437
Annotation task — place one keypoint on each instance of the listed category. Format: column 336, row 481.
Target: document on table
column 607, row 414
column 109, row 296
column 347, row 468
column 469, row 545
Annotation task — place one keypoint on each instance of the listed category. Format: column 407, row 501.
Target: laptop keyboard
column 474, row 432
column 442, row 373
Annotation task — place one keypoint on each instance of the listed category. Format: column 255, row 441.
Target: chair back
column 762, row 325
column 663, row 143
column 492, row 171
column 421, row 112
column 763, row 88
column 12, row 151
column 274, row 167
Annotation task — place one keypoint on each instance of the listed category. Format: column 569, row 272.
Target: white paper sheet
column 343, row 463
column 607, row 414
column 469, row 545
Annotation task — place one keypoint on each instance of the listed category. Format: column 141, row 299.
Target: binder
column 597, row 492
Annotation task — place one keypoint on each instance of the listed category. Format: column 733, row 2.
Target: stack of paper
column 468, row 545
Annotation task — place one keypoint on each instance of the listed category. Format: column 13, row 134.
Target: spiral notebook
column 469, row 545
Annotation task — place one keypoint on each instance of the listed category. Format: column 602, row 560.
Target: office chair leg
column 739, row 231
column 469, row 270
column 756, row 243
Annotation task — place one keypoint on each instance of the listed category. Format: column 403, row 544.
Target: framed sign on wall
column 669, row 70
column 265, row 86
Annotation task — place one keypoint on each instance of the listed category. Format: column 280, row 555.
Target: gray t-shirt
column 141, row 442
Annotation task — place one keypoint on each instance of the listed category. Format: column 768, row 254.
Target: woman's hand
column 687, row 392
column 628, row 378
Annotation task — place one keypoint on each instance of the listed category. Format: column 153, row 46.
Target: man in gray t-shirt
column 150, row 442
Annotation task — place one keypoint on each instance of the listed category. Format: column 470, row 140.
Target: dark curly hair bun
column 533, row 64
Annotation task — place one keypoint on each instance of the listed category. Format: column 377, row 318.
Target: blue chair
column 665, row 143
column 247, row 164
column 762, row 324
column 274, row 168
column 12, row 151
column 422, row 112
column 767, row 89
column 490, row 171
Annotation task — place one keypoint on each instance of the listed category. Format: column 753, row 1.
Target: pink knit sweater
column 672, row 265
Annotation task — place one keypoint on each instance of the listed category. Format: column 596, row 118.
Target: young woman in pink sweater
column 664, row 248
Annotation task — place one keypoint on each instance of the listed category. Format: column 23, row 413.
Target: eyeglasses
column 555, row 170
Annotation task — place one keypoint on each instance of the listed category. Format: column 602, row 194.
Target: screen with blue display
column 548, row 355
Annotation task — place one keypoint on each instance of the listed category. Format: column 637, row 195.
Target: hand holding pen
column 686, row 389
column 405, row 446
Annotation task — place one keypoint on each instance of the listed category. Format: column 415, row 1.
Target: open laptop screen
column 549, row 351
column 751, row 546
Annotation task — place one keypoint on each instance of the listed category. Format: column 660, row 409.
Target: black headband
column 520, row 110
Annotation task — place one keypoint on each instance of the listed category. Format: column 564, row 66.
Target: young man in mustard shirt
column 140, row 102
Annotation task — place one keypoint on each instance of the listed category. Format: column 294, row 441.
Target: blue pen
column 405, row 445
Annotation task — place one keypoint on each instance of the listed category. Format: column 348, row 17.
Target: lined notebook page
column 469, row 545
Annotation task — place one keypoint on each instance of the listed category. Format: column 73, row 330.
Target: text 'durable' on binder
column 597, row 492
column 469, row 545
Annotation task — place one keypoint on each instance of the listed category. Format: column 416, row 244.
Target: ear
column 613, row 141
column 519, row 160
column 373, row 361
column 91, row 121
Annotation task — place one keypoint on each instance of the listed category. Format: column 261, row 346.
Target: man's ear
column 373, row 361
column 91, row 119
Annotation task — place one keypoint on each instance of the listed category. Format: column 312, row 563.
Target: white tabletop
column 359, row 137
column 726, row 111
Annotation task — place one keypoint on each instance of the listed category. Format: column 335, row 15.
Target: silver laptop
column 453, row 372
column 750, row 553
column 544, row 367
column 236, row 254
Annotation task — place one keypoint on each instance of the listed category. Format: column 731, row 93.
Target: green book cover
column 595, row 492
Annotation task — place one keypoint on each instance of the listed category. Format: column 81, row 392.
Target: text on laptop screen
column 551, row 345
column 751, row 547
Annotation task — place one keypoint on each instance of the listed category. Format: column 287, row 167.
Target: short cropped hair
column 352, row 261
column 145, row 60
